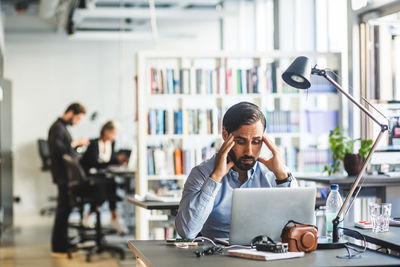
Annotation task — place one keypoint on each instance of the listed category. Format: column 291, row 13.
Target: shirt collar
column 62, row 121
column 250, row 173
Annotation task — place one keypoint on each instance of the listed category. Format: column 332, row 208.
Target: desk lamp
column 298, row 75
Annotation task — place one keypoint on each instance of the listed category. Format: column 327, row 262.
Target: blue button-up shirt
column 206, row 204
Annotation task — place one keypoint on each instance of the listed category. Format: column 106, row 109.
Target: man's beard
column 239, row 162
column 69, row 122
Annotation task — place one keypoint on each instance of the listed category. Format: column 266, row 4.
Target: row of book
column 212, row 81
column 187, row 121
column 197, row 121
column 314, row 159
column 169, row 160
column 282, row 121
column 228, row 81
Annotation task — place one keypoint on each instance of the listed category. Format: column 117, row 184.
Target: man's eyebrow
column 243, row 138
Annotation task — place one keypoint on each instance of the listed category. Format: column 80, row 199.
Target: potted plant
column 343, row 151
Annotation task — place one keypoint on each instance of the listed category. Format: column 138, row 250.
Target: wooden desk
column 157, row 253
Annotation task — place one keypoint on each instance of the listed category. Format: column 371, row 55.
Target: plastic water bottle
column 333, row 204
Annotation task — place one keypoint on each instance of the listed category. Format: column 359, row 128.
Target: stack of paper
column 160, row 198
column 263, row 255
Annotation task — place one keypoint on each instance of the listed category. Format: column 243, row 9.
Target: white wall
column 49, row 71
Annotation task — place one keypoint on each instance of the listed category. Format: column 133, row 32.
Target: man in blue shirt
column 207, row 195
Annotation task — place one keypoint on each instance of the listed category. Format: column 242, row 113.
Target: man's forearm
column 194, row 209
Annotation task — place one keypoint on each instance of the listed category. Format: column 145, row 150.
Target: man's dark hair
column 243, row 113
column 76, row 108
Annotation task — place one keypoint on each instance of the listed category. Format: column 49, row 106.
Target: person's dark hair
column 243, row 113
column 109, row 125
column 76, row 108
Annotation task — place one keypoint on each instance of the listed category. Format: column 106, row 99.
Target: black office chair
column 84, row 190
column 44, row 154
column 46, row 163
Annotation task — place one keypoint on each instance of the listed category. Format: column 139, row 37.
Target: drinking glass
column 379, row 214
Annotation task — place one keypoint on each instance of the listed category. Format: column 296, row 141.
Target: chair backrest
column 44, row 154
column 75, row 172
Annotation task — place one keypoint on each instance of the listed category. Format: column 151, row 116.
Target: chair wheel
column 88, row 258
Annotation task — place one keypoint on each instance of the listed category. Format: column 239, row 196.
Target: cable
column 221, row 246
column 350, row 247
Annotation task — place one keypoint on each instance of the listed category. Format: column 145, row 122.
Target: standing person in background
column 60, row 143
column 99, row 155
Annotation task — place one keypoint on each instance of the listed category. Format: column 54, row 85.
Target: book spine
column 178, row 161
column 228, row 82
column 170, row 81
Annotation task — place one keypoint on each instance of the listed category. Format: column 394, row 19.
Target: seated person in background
column 100, row 154
column 207, row 195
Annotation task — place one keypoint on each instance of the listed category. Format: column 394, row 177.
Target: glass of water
column 379, row 214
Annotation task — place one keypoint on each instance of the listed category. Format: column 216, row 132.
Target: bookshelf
column 182, row 97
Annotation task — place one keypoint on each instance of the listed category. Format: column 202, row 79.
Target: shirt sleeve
column 60, row 142
column 197, row 203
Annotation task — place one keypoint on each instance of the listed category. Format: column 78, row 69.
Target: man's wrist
column 215, row 177
column 281, row 175
column 289, row 178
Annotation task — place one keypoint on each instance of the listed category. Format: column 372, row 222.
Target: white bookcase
column 202, row 100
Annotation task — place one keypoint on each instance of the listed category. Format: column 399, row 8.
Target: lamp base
column 325, row 242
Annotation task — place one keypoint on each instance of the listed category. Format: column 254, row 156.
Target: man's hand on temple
column 275, row 163
column 222, row 166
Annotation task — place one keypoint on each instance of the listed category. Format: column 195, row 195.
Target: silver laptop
column 265, row 211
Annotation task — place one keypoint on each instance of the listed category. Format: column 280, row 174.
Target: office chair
column 44, row 154
column 84, row 190
column 46, row 163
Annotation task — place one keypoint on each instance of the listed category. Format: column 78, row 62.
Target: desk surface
column 122, row 170
column 154, row 205
column 347, row 181
column 389, row 239
column 157, row 253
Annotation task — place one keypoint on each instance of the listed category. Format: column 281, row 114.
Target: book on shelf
column 320, row 85
column 282, row 121
column 314, row 159
column 187, row 121
column 321, row 122
column 291, row 156
column 227, row 80
column 270, row 77
column 220, row 80
column 175, row 160
column 178, row 161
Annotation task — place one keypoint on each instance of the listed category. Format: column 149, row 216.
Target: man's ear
column 224, row 134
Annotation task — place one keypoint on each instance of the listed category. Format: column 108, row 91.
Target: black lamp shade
column 298, row 73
